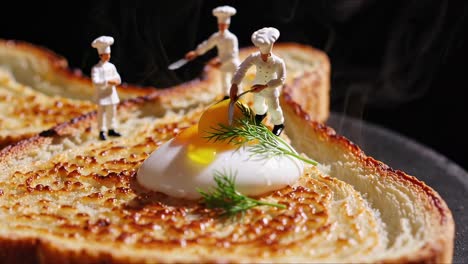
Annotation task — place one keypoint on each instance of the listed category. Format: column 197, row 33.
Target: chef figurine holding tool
column 269, row 78
column 227, row 44
column 105, row 77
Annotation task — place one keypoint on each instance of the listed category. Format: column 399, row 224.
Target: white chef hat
column 102, row 44
column 224, row 13
column 265, row 38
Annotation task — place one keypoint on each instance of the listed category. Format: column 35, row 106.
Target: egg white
column 169, row 170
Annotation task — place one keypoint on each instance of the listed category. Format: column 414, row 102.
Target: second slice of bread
column 38, row 90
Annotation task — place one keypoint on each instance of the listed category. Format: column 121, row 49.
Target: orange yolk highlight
column 199, row 149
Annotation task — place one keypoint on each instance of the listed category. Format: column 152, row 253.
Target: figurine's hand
column 191, row 55
column 233, row 91
column 258, row 88
column 113, row 82
column 216, row 63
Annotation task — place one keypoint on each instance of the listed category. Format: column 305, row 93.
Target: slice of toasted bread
column 38, row 91
column 66, row 197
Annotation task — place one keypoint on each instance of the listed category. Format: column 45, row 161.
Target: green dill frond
column 226, row 197
column 245, row 130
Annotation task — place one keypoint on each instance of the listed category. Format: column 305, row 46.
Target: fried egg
column 187, row 163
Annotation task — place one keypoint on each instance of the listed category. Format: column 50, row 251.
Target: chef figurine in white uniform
column 105, row 77
column 227, row 44
column 269, row 78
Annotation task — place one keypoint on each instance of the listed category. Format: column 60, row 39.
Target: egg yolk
column 199, row 148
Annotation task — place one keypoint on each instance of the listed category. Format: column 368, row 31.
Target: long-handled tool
column 232, row 103
column 176, row 65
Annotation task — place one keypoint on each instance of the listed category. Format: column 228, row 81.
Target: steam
column 383, row 64
column 408, row 51
column 410, row 58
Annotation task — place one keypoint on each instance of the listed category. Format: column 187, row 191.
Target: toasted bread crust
column 440, row 249
column 346, row 144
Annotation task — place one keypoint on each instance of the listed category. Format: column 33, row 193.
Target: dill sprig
column 226, row 197
column 245, row 129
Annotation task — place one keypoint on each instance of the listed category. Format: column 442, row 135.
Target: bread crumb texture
column 25, row 111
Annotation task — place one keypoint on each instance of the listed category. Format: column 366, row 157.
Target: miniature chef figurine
column 105, row 77
column 269, row 78
column 227, row 44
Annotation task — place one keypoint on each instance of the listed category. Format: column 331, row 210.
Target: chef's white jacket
column 228, row 50
column 272, row 72
column 101, row 73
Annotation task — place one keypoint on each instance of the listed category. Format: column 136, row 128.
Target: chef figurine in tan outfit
column 269, row 78
column 227, row 44
column 105, row 77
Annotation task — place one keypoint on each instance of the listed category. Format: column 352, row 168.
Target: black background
column 400, row 64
